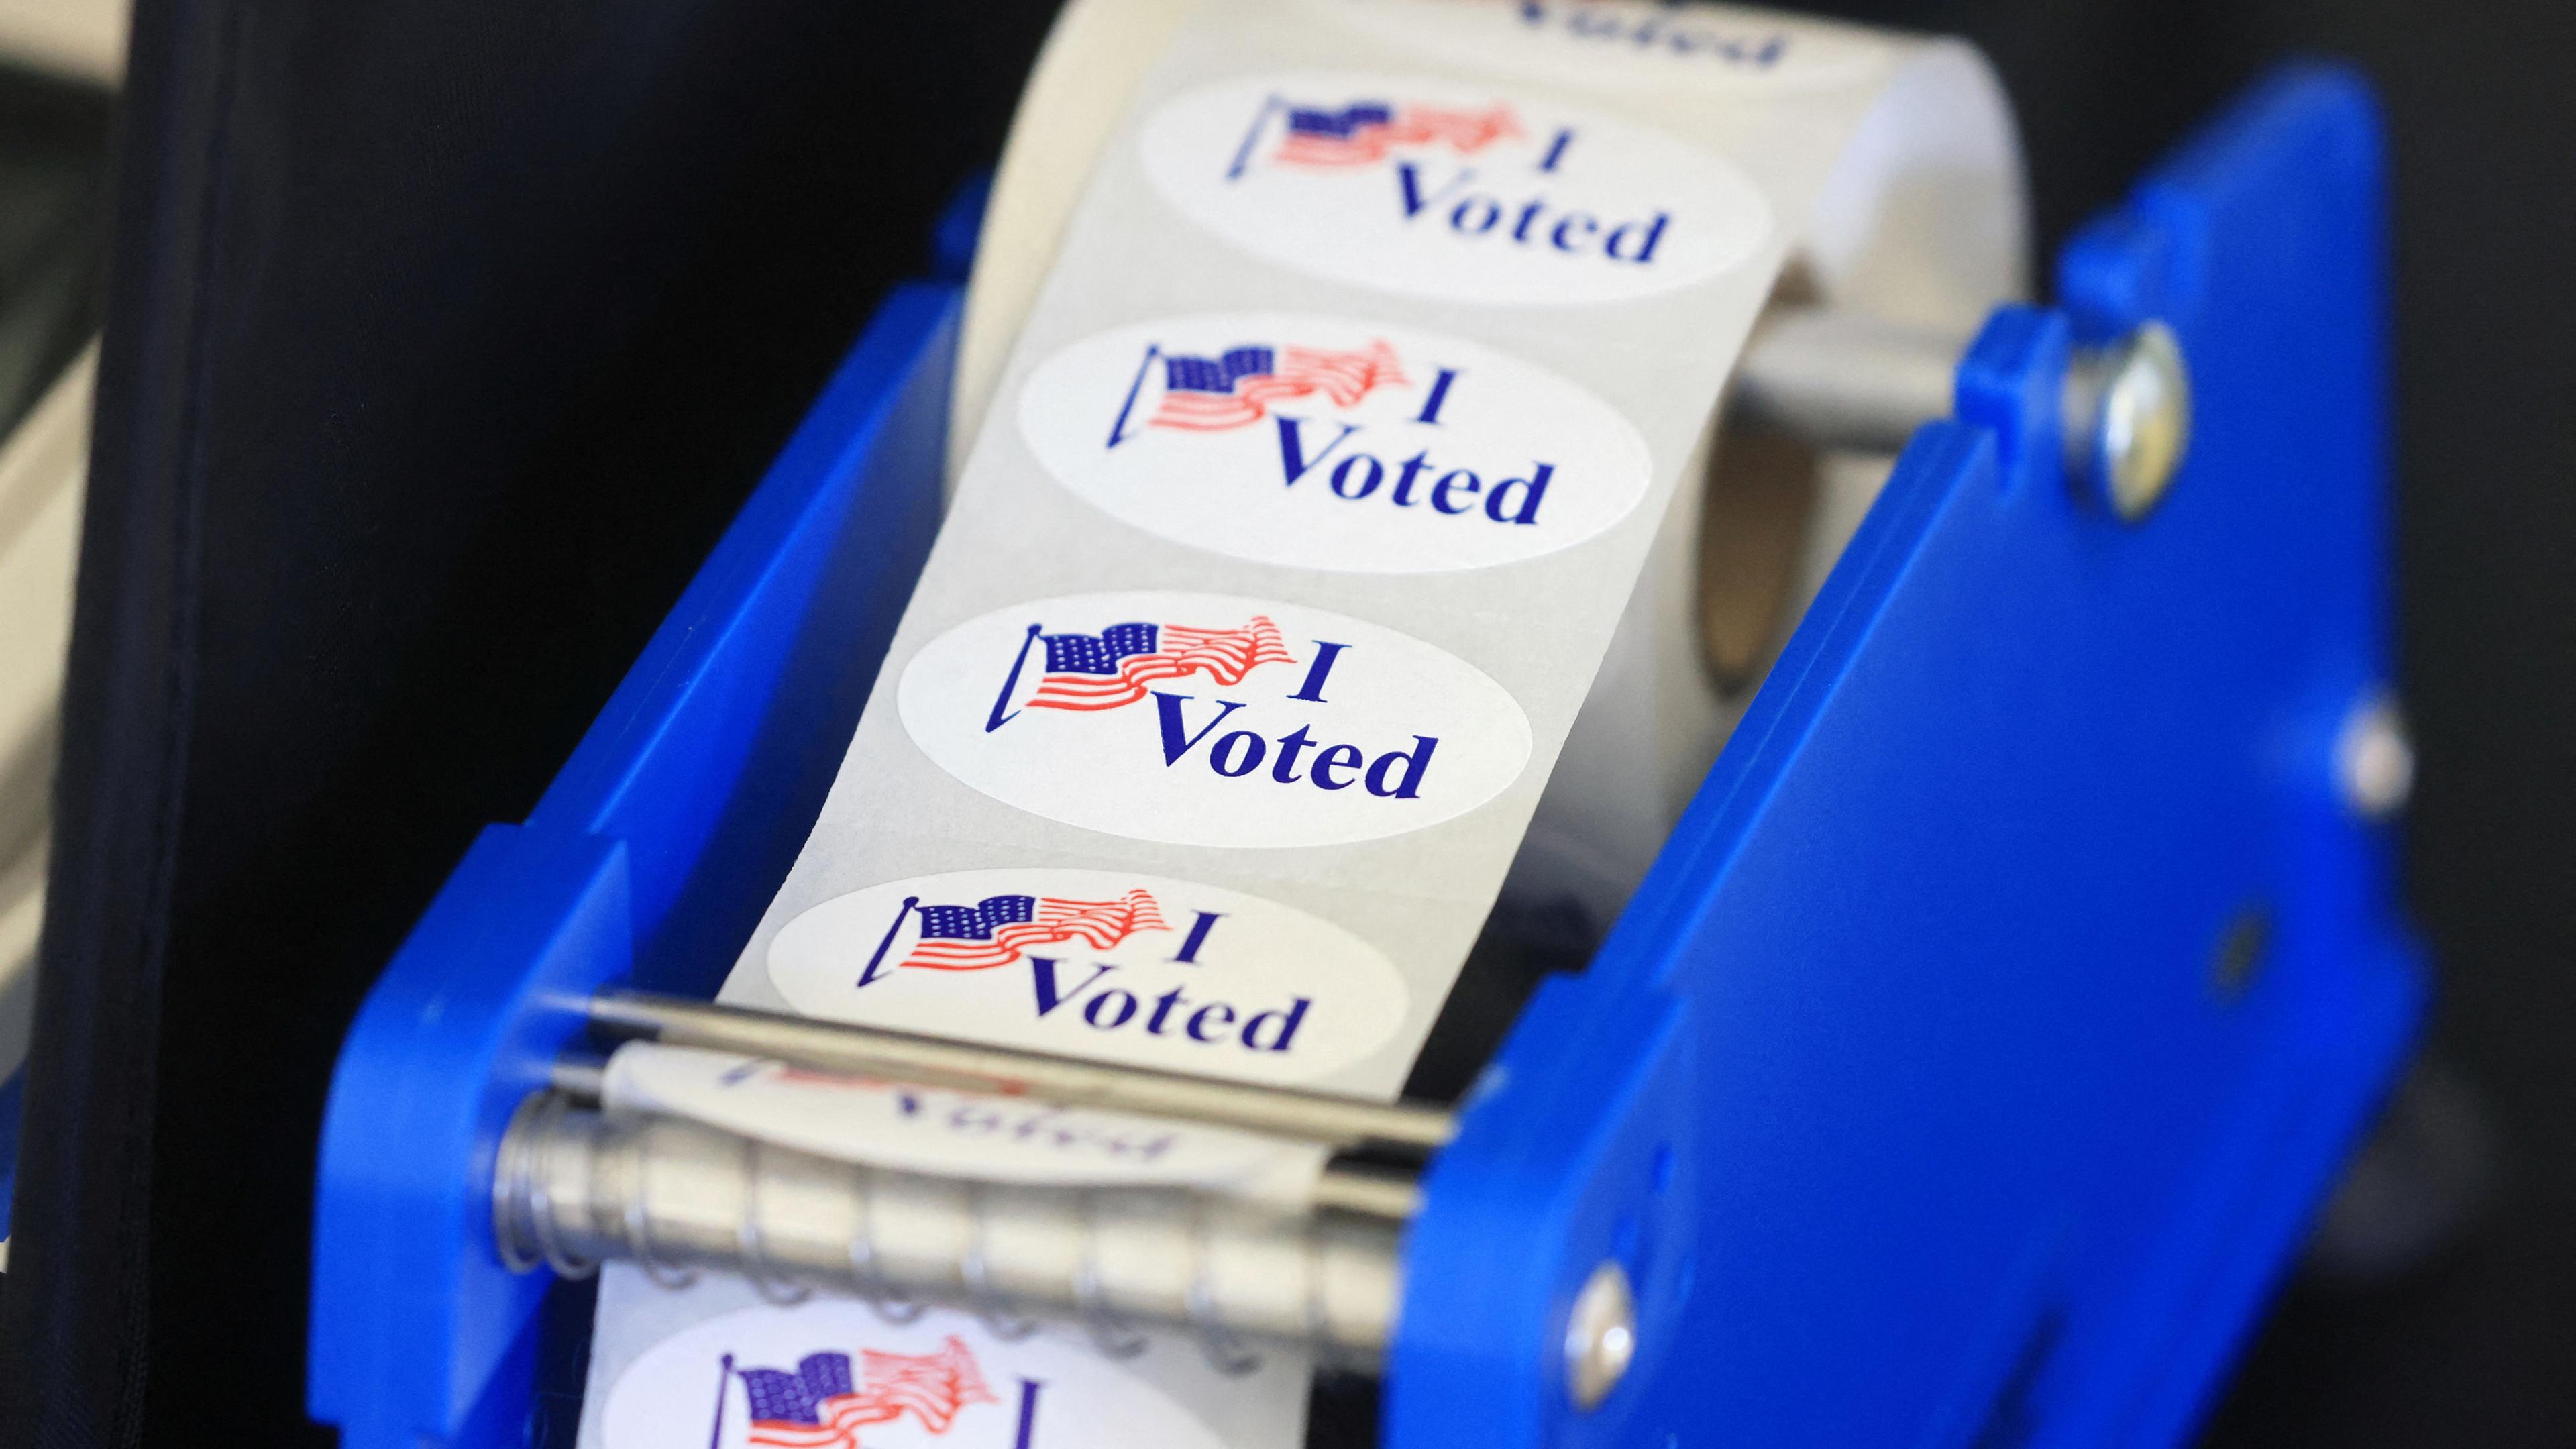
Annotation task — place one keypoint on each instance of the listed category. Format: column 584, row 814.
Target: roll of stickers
column 1341, row 378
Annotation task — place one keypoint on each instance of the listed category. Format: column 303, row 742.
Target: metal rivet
column 2375, row 758
column 1600, row 1336
column 2129, row 420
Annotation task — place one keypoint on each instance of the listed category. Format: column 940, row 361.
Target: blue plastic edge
column 732, row 714
column 2093, row 1294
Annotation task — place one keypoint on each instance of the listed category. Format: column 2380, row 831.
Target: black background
column 445, row 335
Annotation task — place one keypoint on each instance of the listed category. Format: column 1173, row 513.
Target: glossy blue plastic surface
column 1985, row 1144
column 1910, row 1089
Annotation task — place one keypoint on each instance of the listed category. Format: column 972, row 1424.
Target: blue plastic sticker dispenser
column 1964, row 1072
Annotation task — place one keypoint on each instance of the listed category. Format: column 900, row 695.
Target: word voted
column 1610, row 42
column 1656, row 28
column 1174, row 1015
column 1355, row 475
column 1532, row 221
column 1240, row 754
column 1038, row 1125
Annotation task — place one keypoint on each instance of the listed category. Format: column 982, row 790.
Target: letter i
column 1198, row 937
column 1439, row 394
column 1556, row 149
column 1312, row 691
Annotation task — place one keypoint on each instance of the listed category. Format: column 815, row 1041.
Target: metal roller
column 574, row 1188
column 1847, row 381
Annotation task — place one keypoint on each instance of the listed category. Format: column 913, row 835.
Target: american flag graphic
column 1364, row 132
column 994, row 931
column 1113, row 667
column 814, row 1406
column 1212, row 394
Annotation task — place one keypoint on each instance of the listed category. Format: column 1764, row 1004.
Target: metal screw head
column 2139, row 424
column 1600, row 1336
column 2375, row 759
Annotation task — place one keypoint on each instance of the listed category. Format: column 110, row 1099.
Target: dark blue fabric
column 12, row 1100
column 443, row 337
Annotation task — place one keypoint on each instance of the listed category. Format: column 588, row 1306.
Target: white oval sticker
column 832, row 1372
column 1203, row 719
column 1624, row 42
column 1325, row 443
column 1158, row 972
column 1430, row 188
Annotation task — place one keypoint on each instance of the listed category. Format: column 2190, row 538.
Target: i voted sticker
column 1327, row 443
column 833, row 1372
column 1144, row 969
column 961, row 1134
column 1620, row 42
column 1205, row 719
column 1429, row 188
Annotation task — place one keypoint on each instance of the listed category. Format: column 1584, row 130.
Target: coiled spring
column 574, row 1187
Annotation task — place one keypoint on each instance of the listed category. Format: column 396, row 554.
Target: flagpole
column 1243, row 153
column 724, row 1384
column 893, row 926
column 1135, row 385
column 997, row 719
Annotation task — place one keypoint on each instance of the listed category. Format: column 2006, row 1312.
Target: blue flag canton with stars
column 1098, row 653
column 1316, row 121
column 976, row 922
column 779, row 1396
column 1217, row 374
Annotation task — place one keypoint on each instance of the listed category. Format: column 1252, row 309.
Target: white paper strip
column 937, row 1132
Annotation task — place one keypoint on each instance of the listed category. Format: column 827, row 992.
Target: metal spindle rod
column 1373, row 1192
column 1845, row 380
column 573, row 1188
column 584, row 1079
column 1062, row 1081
